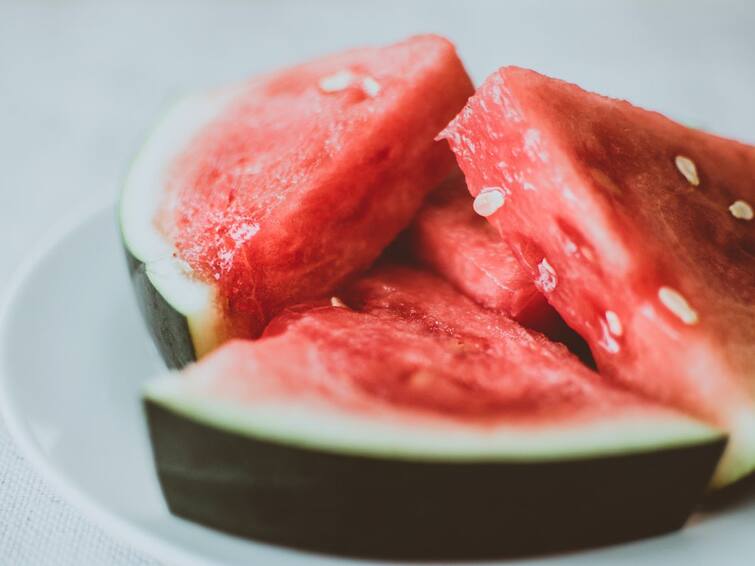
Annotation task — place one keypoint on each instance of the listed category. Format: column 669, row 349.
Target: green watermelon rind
column 220, row 466
column 180, row 311
column 326, row 427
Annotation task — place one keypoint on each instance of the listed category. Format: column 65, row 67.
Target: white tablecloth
column 81, row 81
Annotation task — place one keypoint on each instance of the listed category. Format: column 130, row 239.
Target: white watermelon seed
column 678, row 305
column 687, row 168
column 336, row 302
column 742, row 210
column 370, row 86
column 336, row 82
column 547, row 278
column 488, row 201
column 607, row 341
column 614, row 323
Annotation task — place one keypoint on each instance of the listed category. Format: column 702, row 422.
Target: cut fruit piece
column 449, row 237
column 622, row 218
column 378, row 425
column 271, row 192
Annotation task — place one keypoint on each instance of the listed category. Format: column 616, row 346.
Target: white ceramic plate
column 73, row 356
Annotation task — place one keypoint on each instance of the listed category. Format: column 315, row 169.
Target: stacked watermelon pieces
column 572, row 218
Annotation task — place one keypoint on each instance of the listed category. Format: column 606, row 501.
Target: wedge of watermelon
column 259, row 195
column 401, row 420
column 639, row 231
column 451, row 239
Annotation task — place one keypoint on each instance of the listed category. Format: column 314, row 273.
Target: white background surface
column 80, row 82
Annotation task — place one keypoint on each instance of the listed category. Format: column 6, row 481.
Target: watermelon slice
column 638, row 230
column 256, row 196
column 402, row 420
column 450, row 238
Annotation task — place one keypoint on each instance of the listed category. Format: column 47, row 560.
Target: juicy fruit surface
column 309, row 173
column 622, row 218
column 450, row 238
column 407, row 340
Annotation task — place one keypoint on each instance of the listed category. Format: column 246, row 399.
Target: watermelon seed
column 607, row 341
column 547, row 278
column 488, row 201
column 678, row 305
column 741, row 210
column 687, row 168
column 338, row 303
column 336, row 82
column 614, row 323
column 370, row 86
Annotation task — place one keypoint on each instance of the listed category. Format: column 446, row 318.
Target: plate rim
column 100, row 515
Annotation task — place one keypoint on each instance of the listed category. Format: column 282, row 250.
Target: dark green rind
column 168, row 327
column 737, row 493
column 399, row 509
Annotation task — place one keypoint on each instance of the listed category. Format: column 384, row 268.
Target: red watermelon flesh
column 307, row 174
column 638, row 230
column 451, row 239
column 400, row 339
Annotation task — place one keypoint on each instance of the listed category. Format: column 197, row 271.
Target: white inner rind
column 737, row 461
column 143, row 194
column 315, row 423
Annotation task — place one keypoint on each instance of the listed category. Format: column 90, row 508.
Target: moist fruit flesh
column 451, row 239
column 295, row 187
column 410, row 339
column 377, row 424
column 267, row 193
column 458, row 244
column 627, row 222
